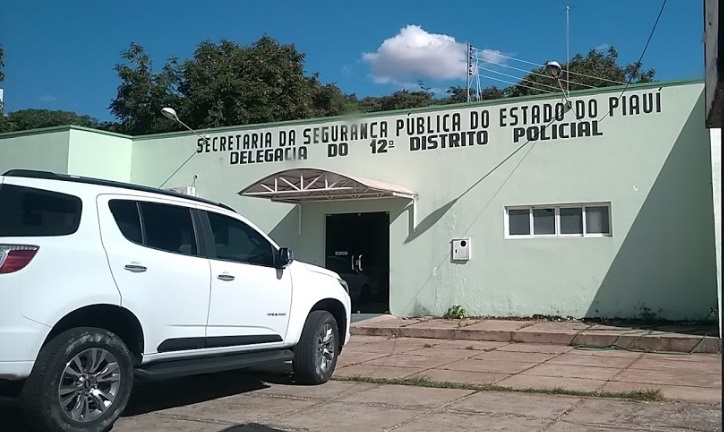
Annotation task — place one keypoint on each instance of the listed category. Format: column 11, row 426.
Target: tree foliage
column 39, row 118
column 223, row 84
column 2, row 63
column 142, row 93
column 597, row 69
column 228, row 84
column 3, row 120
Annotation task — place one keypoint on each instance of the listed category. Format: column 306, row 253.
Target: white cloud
column 415, row 53
column 493, row 56
column 603, row 47
column 48, row 98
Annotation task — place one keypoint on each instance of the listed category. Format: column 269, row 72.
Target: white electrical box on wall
column 461, row 249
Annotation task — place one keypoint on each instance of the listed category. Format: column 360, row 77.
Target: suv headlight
column 344, row 284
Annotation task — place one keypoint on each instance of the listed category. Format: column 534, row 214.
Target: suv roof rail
column 49, row 175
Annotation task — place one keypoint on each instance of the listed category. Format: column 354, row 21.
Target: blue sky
column 60, row 55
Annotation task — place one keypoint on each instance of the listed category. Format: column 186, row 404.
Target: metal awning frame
column 299, row 186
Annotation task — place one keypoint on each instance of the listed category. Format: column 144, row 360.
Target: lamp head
column 553, row 68
column 169, row 113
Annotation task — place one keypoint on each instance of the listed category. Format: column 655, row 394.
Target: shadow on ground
column 157, row 396
column 251, row 427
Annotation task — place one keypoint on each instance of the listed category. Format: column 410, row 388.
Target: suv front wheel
column 315, row 356
column 81, row 382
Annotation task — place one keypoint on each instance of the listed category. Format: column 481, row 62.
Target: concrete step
column 676, row 338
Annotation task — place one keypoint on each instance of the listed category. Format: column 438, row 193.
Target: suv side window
column 30, row 212
column 128, row 219
column 166, row 227
column 237, row 241
column 169, row 228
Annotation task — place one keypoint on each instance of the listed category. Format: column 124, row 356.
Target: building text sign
column 445, row 129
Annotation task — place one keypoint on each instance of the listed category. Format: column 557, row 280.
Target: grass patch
column 651, row 395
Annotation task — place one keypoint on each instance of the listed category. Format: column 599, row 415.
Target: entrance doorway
column 358, row 248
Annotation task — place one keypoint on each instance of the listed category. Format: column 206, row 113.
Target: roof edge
column 599, row 90
column 502, row 101
column 63, row 128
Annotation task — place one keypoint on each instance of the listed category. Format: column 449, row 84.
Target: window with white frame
column 567, row 220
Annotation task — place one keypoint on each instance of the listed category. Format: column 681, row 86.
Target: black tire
column 306, row 364
column 40, row 398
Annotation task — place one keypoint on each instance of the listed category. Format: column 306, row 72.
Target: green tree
column 457, row 94
column 26, row 119
column 3, row 119
column 401, row 99
column 596, row 69
column 2, row 63
column 142, row 93
column 222, row 84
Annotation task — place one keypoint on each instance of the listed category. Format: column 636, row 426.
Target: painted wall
column 97, row 154
column 653, row 168
column 44, row 149
column 716, row 185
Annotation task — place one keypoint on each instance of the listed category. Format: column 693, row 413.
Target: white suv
column 102, row 283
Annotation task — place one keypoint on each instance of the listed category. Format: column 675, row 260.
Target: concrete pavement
column 693, row 338
column 268, row 400
column 540, row 367
column 362, row 407
column 232, row 402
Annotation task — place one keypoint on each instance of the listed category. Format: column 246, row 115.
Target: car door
column 250, row 298
column 153, row 252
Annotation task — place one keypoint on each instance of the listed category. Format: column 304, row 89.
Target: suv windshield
column 29, row 212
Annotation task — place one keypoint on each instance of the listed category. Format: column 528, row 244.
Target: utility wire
column 178, row 169
column 513, row 83
column 638, row 65
column 541, row 65
column 598, row 78
column 641, row 57
column 518, row 78
column 531, row 73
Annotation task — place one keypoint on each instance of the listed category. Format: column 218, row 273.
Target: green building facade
column 515, row 207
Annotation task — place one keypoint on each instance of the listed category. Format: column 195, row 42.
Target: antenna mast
column 469, row 60
column 568, row 51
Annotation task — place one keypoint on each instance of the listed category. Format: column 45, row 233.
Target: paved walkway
column 234, row 403
column 359, row 407
column 674, row 338
column 681, row 377
column 268, row 401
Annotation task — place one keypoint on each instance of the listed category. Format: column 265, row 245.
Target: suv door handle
column 225, row 277
column 135, row 268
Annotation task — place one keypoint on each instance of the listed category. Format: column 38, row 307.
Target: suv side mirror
column 284, row 258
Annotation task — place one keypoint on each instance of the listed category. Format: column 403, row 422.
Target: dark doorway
column 358, row 248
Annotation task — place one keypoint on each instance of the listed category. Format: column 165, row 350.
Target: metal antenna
column 469, row 69
column 568, row 51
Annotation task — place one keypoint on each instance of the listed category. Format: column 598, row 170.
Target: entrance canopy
column 310, row 184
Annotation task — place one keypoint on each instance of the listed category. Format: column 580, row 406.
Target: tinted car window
column 237, row 241
column 30, row 212
column 169, row 228
column 339, row 265
column 127, row 218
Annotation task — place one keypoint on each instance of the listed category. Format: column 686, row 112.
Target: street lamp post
column 170, row 114
column 554, row 70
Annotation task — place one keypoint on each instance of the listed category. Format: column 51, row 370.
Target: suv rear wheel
column 315, row 356
column 81, row 382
